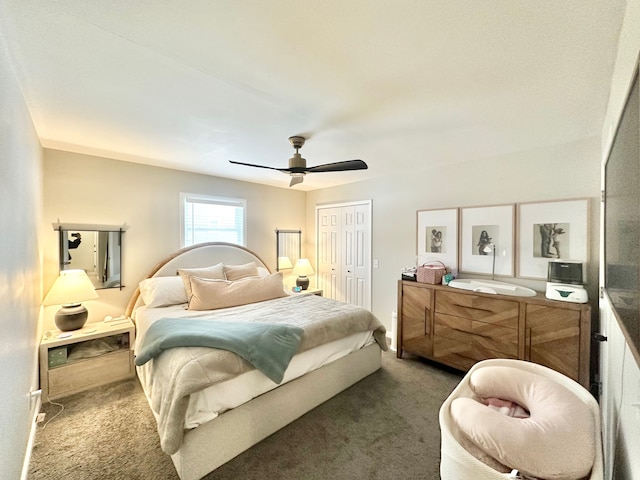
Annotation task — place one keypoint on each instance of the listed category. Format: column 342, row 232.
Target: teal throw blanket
column 269, row 347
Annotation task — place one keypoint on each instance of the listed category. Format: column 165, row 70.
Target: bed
column 209, row 422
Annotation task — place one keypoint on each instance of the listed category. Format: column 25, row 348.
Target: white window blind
column 212, row 219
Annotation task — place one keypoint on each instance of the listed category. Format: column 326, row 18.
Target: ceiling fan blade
column 296, row 179
column 286, row 170
column 298, row 165
column 339, row 166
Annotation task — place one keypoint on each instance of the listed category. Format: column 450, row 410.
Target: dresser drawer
column 463, row 355
column 475, row 307
column 69, row 378
column 478, row 334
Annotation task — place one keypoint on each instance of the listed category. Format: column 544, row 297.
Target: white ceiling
column 402, row 85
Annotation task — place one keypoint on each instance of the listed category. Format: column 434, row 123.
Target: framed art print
column 437, row 237
column 551, row 230
column 487, row 236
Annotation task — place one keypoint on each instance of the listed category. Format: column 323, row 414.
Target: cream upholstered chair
column 461, row 456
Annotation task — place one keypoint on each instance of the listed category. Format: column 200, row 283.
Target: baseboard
column 391, row 342
column 36, row 403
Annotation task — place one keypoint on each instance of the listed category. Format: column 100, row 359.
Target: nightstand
column 74, row 361
column 309, row 291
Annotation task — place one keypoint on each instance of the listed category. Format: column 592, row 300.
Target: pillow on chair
column 556, row 442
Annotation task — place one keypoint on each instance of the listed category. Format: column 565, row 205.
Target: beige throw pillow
column 208, row 294
column 214, row 272
column 237, row 272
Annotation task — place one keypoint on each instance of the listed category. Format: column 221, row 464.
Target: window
column 212, row 219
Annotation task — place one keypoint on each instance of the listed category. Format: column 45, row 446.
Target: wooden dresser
column 460, row 327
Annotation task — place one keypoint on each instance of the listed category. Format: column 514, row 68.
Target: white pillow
column 208, row 294
column 558, row 440
column 163, row 291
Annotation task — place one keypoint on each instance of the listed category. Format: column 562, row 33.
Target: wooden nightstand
column 63, row 372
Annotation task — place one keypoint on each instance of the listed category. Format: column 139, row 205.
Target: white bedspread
column 171, row 387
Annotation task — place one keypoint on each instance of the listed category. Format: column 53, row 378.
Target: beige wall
column 20, row 267
column 559, row 172
column 85, row 189
column 620, row 373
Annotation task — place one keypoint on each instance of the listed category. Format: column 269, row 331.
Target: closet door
column 347, row 267
column 356, row 268
column 329, row 254
column 344, row 253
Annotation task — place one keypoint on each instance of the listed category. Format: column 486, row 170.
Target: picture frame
column 437, row 237
column 487, row 236
column 548, row 230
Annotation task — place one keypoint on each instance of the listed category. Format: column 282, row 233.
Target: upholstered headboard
column 200, row 255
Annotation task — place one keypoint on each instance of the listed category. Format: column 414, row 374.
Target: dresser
column 459, row 328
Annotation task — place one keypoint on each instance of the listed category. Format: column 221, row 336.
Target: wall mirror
column 287, row 248
column 96, row 249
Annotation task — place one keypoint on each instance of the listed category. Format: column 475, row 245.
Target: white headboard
column 200, row 255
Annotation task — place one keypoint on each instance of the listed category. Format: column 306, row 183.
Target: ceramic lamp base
column 71, row 317
column 302, row 282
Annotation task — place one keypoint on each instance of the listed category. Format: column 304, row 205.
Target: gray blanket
column 186, row 370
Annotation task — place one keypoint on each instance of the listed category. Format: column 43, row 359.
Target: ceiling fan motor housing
column 297, row 161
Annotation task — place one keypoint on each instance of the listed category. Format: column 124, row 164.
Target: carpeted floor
column 384, row 427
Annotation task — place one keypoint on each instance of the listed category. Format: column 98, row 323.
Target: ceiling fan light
column 296, row 178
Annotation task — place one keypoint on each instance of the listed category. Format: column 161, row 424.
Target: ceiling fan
column 298, row 165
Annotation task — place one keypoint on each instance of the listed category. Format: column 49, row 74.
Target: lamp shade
column 489, row 248
column 70, row 288
column 302, row 267
column 284, row 262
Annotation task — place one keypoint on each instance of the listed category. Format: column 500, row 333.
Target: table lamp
column 302, row 268
column 491, row 248
column 69, row 289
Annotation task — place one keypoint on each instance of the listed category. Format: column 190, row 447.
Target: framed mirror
column 287, row 248
column 96, row 249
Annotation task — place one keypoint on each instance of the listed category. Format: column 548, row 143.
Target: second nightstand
column 63, row 372
column 309, row 291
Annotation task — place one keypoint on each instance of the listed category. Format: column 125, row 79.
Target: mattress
column 216, row 399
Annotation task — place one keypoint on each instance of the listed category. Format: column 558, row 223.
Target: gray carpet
column 384, row 427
